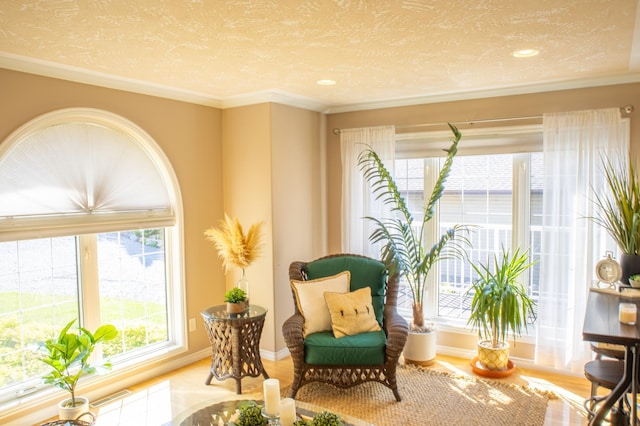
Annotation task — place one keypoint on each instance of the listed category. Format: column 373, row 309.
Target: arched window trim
column 36, row 225
column 131, row 370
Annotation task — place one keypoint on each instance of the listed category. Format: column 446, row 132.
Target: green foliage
column 250, row 414
column 68, row 355
column 323, row 418
column 403, row 250
column 235, row 295
column 500, row 303
column 618, row 210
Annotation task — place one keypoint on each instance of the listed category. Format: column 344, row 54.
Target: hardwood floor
column 159, row 401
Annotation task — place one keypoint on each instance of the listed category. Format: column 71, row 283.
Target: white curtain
column 574, row 145
column 357, row 199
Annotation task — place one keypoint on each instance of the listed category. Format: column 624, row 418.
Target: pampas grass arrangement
column 234, row 247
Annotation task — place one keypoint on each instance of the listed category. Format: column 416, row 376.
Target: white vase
column 68, row 412
column 420, row 348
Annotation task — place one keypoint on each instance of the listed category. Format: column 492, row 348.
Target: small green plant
column 323, row 418
column 68, row 356
column 249, row 414
column 235, row 295
column 500, row 303
column 635, row 277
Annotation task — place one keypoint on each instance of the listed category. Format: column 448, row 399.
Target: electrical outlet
column 192, row 324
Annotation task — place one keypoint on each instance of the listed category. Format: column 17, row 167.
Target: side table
column 235, row 343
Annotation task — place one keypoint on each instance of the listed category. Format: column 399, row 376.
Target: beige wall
column 189, row 135
column 272, row 173
column 298, row 199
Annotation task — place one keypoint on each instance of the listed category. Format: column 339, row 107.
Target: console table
column 235, row 343
column 601, row 324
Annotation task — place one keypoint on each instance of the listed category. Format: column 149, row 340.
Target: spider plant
column 500, row 303
column 403, row 248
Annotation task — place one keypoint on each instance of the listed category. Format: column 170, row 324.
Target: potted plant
column 500, row 305
column 236, row 299
column 235, row 248
column 403, row 248
column 68, row 355
column 618, row 212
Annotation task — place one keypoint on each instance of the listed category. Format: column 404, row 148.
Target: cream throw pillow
column 351, row 313
column 310, row 299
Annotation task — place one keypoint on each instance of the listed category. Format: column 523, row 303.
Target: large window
column 88, row 231
column 498, row 194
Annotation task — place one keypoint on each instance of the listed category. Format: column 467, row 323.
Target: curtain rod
column 627, row 109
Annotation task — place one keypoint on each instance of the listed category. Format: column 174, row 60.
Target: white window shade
column 481, row 141
column 67, row 175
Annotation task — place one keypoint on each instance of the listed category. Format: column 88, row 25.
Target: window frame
column 518, row 141
column 126, row 370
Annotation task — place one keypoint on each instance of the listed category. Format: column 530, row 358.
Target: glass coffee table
column 220, row 413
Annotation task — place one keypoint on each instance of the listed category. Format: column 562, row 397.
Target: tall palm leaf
column 402, row 246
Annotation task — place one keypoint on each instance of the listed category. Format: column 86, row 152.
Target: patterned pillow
column 351, row 313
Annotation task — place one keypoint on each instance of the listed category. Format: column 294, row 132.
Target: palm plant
column 618, row 210
column 500, row 303
column 403, row 248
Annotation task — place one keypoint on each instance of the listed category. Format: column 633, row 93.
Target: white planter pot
column 420, row 348
column 493, row 358
column 66, row 412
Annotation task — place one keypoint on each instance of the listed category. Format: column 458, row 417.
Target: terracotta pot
column 68, row 412
column 493, row 358
column 236, row 308
column 420, row 348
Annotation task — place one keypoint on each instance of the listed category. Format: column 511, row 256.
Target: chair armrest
column 397, row 330
column 292, row 330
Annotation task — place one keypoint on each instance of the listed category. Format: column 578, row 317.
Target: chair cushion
column 365, row 272
column 351, row 313
column 311, row 303
column 361, row 349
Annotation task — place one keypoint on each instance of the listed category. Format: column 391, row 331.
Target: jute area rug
column 433, row 398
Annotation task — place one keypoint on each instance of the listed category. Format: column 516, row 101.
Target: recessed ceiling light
column 326, row 82
column 525, row 53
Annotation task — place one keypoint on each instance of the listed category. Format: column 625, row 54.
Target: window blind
column 70, row 175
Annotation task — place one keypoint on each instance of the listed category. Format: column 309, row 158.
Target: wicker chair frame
column 345, row 376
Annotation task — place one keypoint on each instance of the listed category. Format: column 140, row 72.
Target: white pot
column 67, row 412
column 493, row 358
column 420, row 348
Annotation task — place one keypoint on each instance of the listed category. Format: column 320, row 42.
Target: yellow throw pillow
column 351, row 313
column 310, row 300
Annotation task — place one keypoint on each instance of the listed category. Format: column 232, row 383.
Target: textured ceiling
column 222, row 51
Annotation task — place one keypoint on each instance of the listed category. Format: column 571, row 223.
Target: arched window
column 90, row 228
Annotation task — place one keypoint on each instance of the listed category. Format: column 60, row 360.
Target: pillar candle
column 628, row 313
column 271, row 389
column 287, row 411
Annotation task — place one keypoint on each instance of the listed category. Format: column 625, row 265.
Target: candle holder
column 272, row 419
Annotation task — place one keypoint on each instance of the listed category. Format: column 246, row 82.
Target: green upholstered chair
column 350, row 360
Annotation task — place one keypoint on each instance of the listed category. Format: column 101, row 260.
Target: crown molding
column 94, row 78
column 80, row 75
column 550, row 86
column 276, row 96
